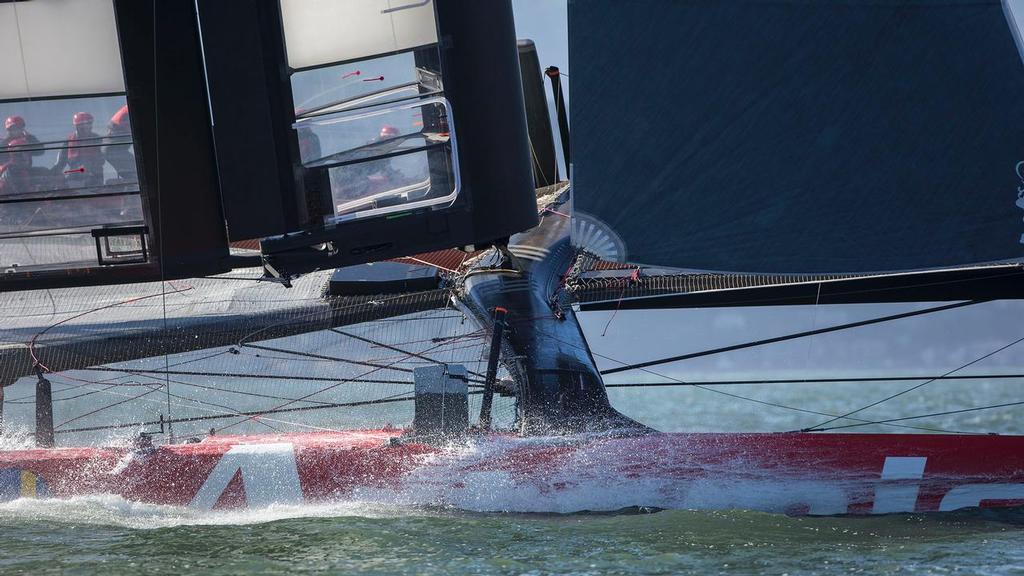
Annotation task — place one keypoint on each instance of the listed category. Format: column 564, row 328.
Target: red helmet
column 388, row 132
column 14, row 121
column 121, row 116
column 81, row 118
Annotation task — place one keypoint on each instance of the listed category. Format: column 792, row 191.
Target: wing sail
column 800, row 137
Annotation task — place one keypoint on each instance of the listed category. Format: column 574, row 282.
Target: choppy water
column 111, row 536
column 107, row 535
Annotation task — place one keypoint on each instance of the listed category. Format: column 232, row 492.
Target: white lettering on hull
column 902, row 497
column 820, row 498
column 970, row 495
column 268, row 473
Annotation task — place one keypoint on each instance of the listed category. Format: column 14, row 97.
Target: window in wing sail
column 381, row 129
column 383, row 158
column 67, row 159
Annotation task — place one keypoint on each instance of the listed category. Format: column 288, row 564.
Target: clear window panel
column 68, row 143
column 69, row 212
column 348, row 85
column 380, row 129
column 67, row 166
column 31, row 253
column 407, row 181
column 367, row 133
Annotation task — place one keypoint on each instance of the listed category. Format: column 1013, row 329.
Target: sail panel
column 325, row 32
column 799, row 137
column 57, row 48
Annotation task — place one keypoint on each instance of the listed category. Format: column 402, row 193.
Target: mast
column 555, row 76
column 542, row 145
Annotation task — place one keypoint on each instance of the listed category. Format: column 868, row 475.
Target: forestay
column 800, row 137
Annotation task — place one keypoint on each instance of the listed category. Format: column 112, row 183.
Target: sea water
column 107, row 535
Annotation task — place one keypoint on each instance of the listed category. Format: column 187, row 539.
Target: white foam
column 16, row 438
column 112, row 510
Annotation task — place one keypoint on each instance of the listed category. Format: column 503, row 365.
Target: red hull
column 792, row 473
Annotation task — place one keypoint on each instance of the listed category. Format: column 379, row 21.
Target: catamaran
column 333, row 258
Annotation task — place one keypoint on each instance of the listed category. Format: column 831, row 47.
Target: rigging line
column 915, row 387
column 192, row 400
column 140, row 396
column 126, row 397
column 74, row 386
column 78, row 384
column 233, row 391
column 200, row 359
column 82, row 383
column 475, row 334
column 814, row 326
column 536, row 160
column 625, row 284
column 946, row 413
column 108, row 406
column 793, row 336
column 431, row 264
column 812, row 380
column 252, row 279
column 455, row 344
column 737, row 396
column 107, row 390
column 395, row 349
column 386, row 400
column 468, row 336
column 321, row 391
column 221, row 406
column 332, row 358
column 21, row 49
column 159, row 208
column 420, row 319
column 250, row 376
column 30, row 399
column 242, row 375
column 453, row 348
column 256, row 414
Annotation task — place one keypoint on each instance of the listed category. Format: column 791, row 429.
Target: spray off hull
column 820, row 474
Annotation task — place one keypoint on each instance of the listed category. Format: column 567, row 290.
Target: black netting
column 228, row 354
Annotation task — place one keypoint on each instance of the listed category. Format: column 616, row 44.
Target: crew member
column 15, row 126
column 386, row 132
column 372, row 176
column 118, row 149
column 309, row 145
column 23, row 177
column 385, row 170
column 81, row 159
column 16, row 166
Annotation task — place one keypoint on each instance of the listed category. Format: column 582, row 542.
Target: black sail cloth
column 798, row 136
